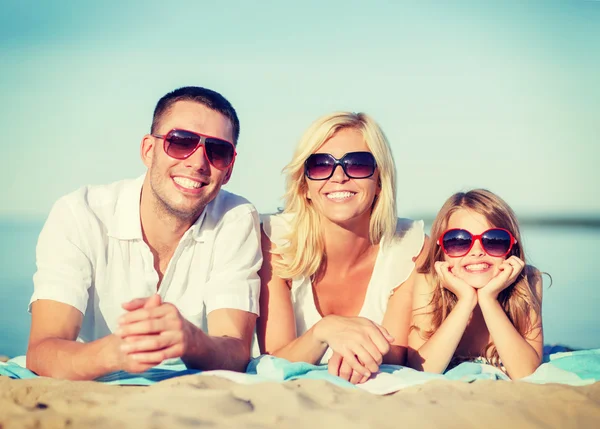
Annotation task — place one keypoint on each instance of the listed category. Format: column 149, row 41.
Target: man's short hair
column 209, row 98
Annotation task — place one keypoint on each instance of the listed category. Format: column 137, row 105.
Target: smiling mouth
column 477, row 267
column 186, row 183
column 340, row 196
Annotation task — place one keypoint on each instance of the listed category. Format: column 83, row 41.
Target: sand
column 207, row 401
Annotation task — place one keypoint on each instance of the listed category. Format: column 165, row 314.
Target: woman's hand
column 360, row 342
column 338, row 366
column 509, row 271
column 462, row 290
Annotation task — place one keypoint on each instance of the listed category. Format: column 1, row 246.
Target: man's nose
column 198, row 160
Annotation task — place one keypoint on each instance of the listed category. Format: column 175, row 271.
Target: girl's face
column 476, row 268
column 340, row 199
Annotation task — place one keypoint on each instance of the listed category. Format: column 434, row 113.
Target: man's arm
column 60, row 296
column 231, row 299
column 153, row 331
column 228, row 344
column 53, row 351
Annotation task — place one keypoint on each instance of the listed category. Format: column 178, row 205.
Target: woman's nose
column 339, row 175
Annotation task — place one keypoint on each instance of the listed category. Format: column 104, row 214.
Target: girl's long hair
column 304, row 252
column 518, row 300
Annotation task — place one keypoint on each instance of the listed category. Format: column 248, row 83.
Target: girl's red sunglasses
column 496, row 242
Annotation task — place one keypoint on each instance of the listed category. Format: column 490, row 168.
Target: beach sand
column 195, row 400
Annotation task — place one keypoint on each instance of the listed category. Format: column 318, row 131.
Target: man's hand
column 153, row 331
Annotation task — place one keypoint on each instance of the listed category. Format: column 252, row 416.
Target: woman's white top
column 393, row 266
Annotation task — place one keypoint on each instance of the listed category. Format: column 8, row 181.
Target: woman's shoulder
column 408, row 237
column 403, row 225
column 277, row 226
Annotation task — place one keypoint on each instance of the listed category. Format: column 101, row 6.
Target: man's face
column 183, row 187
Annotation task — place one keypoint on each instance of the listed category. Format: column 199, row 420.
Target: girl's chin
column 477, row 281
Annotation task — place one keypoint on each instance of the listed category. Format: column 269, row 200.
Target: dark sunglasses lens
column 181, row 143
column 319, row 166
column 219, row 152
column 496, row 242
column 457, row 242
column 359, row 165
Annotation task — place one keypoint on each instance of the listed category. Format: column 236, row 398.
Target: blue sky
column 499, row 95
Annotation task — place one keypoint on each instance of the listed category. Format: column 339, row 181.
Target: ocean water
column 571, row 306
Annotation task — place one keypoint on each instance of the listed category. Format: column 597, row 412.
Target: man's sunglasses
column 181, row 144
column 458, row 242
column 356, row 165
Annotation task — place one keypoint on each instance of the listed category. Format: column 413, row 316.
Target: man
column 165, row 266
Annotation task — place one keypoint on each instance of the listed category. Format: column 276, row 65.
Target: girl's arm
column 356, row 339
column 520, row 355
column 435, row 354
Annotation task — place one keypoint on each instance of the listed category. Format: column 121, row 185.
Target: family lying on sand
column 171, row 266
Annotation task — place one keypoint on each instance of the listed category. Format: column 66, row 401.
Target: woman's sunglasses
column 458, row 242
column 181, row 144
column 356, row 165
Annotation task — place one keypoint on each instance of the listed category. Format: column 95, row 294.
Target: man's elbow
column 38, row 362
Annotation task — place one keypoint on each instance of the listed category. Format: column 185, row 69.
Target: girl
column 477, row 298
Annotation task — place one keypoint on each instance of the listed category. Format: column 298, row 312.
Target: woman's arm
column 357, row 339
column 519, row 355
column 276, row 326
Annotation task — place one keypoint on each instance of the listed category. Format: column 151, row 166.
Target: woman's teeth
column 187, row 183
column 340, row 195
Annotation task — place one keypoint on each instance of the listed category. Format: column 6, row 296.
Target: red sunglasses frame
column 474, row 238
column 201, row 142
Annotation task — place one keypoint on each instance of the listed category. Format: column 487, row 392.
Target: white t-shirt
column 393, row 266
column 91, row 255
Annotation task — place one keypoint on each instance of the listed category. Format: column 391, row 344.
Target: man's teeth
column 187, row 183
column 340, row 195
column 477, row 267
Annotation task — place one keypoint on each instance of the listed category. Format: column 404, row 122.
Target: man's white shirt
column 91, row 255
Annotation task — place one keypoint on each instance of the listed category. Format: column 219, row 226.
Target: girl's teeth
column 476, row 267
column 187, row 183
column 339, row 195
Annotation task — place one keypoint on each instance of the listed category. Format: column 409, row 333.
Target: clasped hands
column 358, row 345
column 150, row 332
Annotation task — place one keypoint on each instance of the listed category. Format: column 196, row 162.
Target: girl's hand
column 458, row 287
column 360, row 342
column 509, row 271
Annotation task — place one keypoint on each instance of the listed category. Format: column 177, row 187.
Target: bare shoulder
column 535, row 280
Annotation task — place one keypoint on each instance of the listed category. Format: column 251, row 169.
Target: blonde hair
column 304, row 253
column 518, row 300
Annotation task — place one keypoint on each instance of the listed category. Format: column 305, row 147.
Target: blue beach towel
column 576, row 368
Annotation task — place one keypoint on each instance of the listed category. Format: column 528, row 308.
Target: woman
column 338, row 263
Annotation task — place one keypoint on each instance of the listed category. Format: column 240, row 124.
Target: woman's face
column 476, row 268
column 340, row 199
